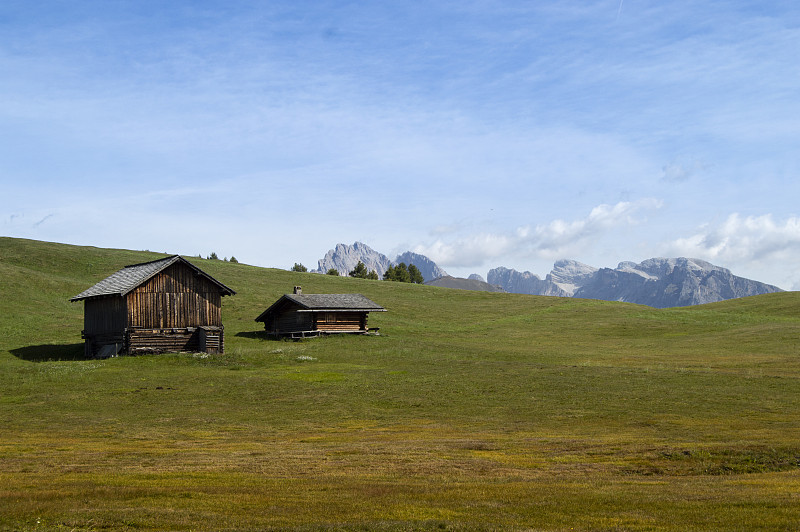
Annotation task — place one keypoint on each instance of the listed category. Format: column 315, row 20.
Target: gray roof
column 326, row 303
column 130, row 277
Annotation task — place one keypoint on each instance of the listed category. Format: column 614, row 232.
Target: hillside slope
column 464, row 284
column 472, row 410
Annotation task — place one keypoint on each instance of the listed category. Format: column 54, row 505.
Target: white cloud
column 758, row 247
column 754, row 238
column 558, row 237
column 551, row 241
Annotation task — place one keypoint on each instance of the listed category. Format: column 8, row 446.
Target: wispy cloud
column 676, row 171
column 552, row 240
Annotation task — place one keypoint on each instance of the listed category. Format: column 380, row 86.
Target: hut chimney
column 298, row 290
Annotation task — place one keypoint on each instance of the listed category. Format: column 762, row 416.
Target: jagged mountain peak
column 664, row 266
column 345, row 257
column 501, row 270
column 569, row 275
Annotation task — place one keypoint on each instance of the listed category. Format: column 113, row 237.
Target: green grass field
column 470, row 411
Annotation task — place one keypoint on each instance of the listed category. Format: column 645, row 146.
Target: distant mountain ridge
column 524, row 283
column 657, row 282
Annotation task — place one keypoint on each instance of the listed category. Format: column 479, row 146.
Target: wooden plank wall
column 292, row 320
column 286, row 319
column 133, row 341
column 289, row 320
column 159, row 340
column 175, row 298
column 210, row 340
column 104, row 315
column 341, row 321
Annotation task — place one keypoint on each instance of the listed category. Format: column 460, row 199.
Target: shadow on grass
column 256, row 335
column 49, row 352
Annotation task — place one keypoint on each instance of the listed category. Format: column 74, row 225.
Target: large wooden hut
column 164, row 305
column 299, row 315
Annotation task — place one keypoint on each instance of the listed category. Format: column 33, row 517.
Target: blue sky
column 480, row 134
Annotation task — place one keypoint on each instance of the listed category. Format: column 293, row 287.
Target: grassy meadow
column 471, row 410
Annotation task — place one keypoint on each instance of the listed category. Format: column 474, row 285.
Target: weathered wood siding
column 162, row 340
column 211, row 340
column 175, row 298
column 202, row 339
column 288, row 319
column 341, row 321
column 104, row 316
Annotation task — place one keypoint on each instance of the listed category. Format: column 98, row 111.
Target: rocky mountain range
column 564, row 279
column 658, row 282
column 663, row 283
column 344, row 258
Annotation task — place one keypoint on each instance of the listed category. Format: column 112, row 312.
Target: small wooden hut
column 298, row 315
column 164, row 305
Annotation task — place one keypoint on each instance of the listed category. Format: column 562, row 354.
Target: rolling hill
column 464, row 284
column 471, row 410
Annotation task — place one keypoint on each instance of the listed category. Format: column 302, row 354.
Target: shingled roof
column 326, row 303
column 130, row 277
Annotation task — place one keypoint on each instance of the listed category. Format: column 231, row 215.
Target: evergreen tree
column 298, row 268
column 332, row 271
column 372, row 275
column 233, row 259
column 415, row 274
column 213, row 256
column 360, row 271
column 404, row 274
column 397, row 273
